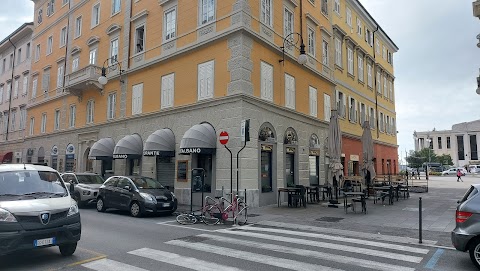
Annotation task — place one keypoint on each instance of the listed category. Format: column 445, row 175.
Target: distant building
column 460, row 142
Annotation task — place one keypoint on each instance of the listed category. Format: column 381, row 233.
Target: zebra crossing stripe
column 178, row 260
column 111, row 265
column 351, row 249
column 341, row 239
column 253, row 257
column 378, row 237
column 309, row 253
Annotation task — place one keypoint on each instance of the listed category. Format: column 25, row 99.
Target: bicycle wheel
column 186, row 219
column 212, row 215
column 241, row 217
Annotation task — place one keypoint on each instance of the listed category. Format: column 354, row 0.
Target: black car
column 136, row 194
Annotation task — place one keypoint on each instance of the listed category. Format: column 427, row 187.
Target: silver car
column 466, row 235
column 86, row 186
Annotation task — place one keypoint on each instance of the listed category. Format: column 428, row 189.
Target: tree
column 445, row 159
column 417, row 158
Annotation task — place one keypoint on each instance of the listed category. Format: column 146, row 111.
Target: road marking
column 433, row 261
column 341, row 239
column 253, row 257
column 165, row 222
column 351, row 249
column 178, row 260
column 87, row 260
column 111, row 265
column 309, row 253
column 380, row 237
column 186, row 227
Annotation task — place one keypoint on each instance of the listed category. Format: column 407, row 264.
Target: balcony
column 82, row 80
column 476, row 8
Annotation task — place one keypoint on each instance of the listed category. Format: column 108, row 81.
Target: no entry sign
column 223, row 137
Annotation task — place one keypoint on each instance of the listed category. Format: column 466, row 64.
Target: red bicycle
column 218, row 212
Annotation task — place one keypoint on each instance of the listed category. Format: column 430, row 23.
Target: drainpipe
column 375, row 80
column 11, row 87
column 66, row 47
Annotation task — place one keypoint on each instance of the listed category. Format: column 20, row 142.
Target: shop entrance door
column 290, row 169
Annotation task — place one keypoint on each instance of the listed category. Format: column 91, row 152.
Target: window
column 25, row 85
column 349, row 16
column 9, row 89
column 390, row 58
column 350, row 60
column 168, row 86
column 360, row 68
column 57, row 120
column 4, row 65
column 137, row 99
column 60, row 76
column 384, row 52
column 372, row 118
column 170, row 23
column 75, row 63
column 139, row 39
column 385, row 89
column 19, row 56
column 113, row 51
column 1, row 94
column 382, row 123
column 95, row 15
column 23, row 118
column 379, row 86
column 289, row 91
column 5, row 121
column 287, row 23
column 93, row 56
column 377, row 46
column 111, row 105
column 207, row 11
column 390, row 90
column 324, row 7
column 313, row 101
column 37, row 54
column 63, row 36
column 363, row 113
column 90, row 111
column 16, row 84
column 10, row 63
column 266, row 81
column 40, row 16
column 205, row 80
column 336, row 6
column 34, row 87
column 13, row 120
column 32, row 125
column 448, row 142
column 44, row 123
column 368, row 37
column 327, row 107
column 325, row 52
column 266, row 11
column 369, row 75
column 311, row 41
column 387, row 125
column 359, row 27
column 338, row 52
column 78, row 27
column 50, row 7
column 352, row 107
column 439, row 142
column 73, row 115
column 49, row 45
column 115, row 6
column 341, row 104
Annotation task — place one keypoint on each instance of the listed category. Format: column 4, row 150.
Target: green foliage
column 416, row 158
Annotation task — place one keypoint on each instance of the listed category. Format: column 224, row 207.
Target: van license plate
column 166, row 204
column 44, row 242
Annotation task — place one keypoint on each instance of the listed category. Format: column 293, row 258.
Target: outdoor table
column 362, row 200
column 315, row 192
column 388, row 189
column 289, row 191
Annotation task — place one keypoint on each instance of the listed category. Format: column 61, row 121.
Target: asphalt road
column 116, row 241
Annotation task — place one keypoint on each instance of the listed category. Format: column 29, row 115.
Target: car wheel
column 101, row 205
column 136, row 209
column 68, row 249
column 475, row 252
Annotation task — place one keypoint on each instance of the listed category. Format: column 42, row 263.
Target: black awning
column 200, row 138
column 129, row 147
column 102, row 149
column 160, row 143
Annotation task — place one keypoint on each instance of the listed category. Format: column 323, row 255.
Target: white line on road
column 166, row 222
column 111, row 265
column 380, row 237
column 186, row 227
column 183, row 261
column 341, row 239
column 310, row 253
column 253, row 257
column 351, row 249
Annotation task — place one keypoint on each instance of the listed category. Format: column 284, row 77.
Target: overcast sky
column 435, row 68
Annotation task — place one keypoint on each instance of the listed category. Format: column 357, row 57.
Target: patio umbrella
column 335, row 151
column 368, row 154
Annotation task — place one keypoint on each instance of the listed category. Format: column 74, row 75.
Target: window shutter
column 326, row 107
column 210, row 81
column 171, row 89
column 270, row 83
column 350, row 111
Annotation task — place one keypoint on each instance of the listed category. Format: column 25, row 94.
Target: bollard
column 420, row 220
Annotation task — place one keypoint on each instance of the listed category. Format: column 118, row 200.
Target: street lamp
column 428, row 164
column 302, row 58
column 103, row 80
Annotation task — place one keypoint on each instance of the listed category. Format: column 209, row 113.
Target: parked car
column 466, row 235
column 36, row 210
column 453, row 171
column 136, row 194
column 86, row 186
column 474, row 168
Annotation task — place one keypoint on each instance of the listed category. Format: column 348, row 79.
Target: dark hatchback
column 136, row 194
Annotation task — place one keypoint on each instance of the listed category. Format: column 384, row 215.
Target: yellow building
column 364, row 77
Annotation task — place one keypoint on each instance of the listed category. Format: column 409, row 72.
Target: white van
column 474, row 168
column 36, row 210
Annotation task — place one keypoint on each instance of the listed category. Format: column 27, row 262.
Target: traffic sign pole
column 224, row 140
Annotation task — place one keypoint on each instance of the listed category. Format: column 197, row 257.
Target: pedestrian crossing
column 274, row 246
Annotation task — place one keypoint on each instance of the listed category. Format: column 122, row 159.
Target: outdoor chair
column 299, row 198
column 362, row 201
column 313, row 194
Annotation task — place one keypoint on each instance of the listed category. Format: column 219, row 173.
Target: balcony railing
column 83, row 79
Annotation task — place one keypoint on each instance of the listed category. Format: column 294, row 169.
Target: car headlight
column 6, row 216
column 173, row 195
column 148, row 197
column 73, row 208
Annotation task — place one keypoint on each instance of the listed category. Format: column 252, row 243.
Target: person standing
column 459, row 175
column 406, row 174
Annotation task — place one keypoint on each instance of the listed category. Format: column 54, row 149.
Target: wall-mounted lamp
column 103, row 80
column 302, row 58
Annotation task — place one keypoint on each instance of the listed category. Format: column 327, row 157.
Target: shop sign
column 151, row 153
column 290, row 150
column 70, row 151
column 314, row 153
column 354, row 157
column 120, row 156
column 267, row 147
column 54, row 151
column 18, row 154
column 190, row 150
column 30, row 152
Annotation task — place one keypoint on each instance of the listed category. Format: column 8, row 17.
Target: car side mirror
column 458, row 202
column 127, row 187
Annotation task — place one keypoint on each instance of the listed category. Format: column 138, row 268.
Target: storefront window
column 266, row 168
column 205, row 161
